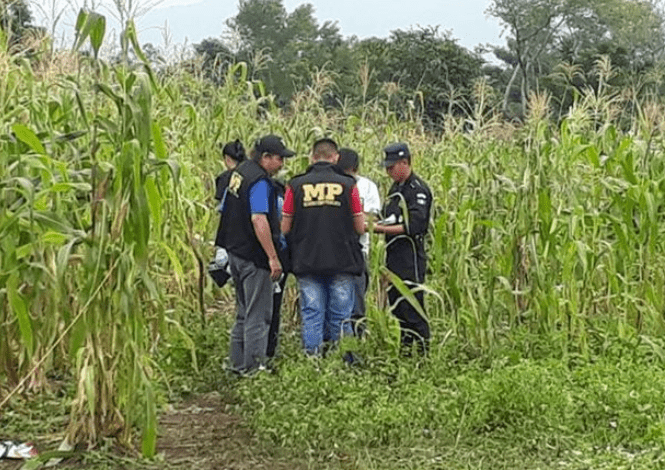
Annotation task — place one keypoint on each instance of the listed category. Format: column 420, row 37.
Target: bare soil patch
column 200, row 433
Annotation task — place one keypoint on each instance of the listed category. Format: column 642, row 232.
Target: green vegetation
column 545, row 292
column 550, row 46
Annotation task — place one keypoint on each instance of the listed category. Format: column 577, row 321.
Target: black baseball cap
column 273, row 145
column 395, row 152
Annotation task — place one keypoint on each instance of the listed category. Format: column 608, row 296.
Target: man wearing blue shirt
column 252, row 239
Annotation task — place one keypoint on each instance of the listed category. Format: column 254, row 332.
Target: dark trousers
column 413, row 327
column 360, row 283
column 249, row 336
column 273, row 333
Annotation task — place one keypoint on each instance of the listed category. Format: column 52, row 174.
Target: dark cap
column 273, row 145
column 396, row 152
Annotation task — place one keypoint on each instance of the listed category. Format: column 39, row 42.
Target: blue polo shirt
column 259, row 195
column 258, row 204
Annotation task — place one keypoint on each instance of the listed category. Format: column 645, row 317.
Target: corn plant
column 106, row 217
column 84, row 189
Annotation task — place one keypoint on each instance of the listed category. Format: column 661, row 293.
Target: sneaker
column 352, row 358
column 17, row 450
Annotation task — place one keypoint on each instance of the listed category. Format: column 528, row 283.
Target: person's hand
column 372, row 227
column 275, row 269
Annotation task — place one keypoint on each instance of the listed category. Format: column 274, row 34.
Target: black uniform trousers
column 413, row 327
column 273, row 333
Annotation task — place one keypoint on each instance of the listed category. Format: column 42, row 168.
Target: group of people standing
column 316, row 228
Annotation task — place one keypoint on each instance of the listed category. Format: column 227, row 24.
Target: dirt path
column 197, row 434
column 201, row 434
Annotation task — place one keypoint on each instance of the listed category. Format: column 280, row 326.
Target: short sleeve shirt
column 369, row 195
column 259, row 195
column 356, row 205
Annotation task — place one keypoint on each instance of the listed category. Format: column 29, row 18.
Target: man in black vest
column 252, row 233
column 405, row 222
column 324, row 216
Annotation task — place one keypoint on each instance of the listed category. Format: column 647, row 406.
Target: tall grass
column 84, row 190
column 106, row 216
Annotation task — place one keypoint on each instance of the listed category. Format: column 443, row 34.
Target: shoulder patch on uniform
column 235, row 182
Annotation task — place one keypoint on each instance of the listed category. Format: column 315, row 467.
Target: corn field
column 106, row 213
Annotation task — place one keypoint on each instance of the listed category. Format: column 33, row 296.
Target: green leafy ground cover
column 454, row 409
column 443, row 412
column 546, row 290
column 520, row 407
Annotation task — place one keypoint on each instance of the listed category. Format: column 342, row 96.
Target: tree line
column 556, row 47
column 15, row 20
column 553, row 46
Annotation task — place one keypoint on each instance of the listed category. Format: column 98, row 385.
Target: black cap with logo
column 273, row 145
column 395, row 152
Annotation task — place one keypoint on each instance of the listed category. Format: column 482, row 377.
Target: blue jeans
column 326, row 304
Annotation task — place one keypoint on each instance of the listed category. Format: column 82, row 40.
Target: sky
column 191, row 21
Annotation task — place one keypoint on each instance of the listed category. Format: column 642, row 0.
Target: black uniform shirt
column 408, row 204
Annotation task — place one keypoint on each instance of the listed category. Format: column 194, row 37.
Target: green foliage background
column 545, row 290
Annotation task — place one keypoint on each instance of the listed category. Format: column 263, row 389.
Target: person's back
column 323, row 238
column 233, row 154
column 251, row 211
column 349, row 162
column 323, row 217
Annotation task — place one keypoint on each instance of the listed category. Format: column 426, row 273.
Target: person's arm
column 287, row 211
column 287, row 223
column 263, row 234
column 259, row 206
column 397, row 229
column 357, row 211
column 219, row 187
column 359, row 223
column 419, row 208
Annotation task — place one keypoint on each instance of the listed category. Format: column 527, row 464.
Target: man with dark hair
column 324, row 216
column 252, row 239
column 405, row 223
column 349, row 162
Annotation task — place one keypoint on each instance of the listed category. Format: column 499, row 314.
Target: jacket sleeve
column 418, row 205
